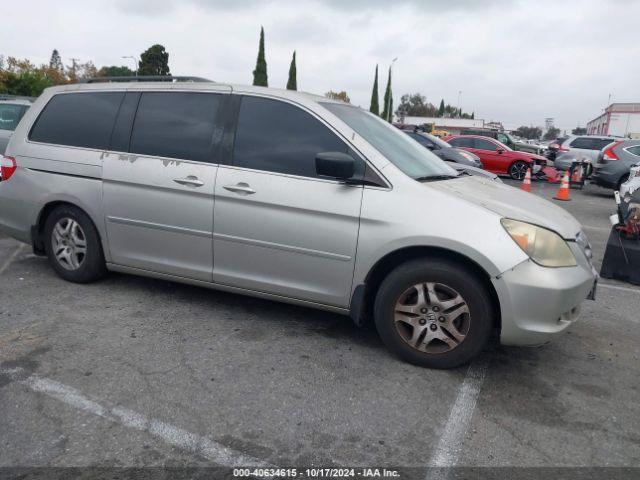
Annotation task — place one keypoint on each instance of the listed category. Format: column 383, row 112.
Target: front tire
column 518, row 170
column 433, row 313
column 73, row 245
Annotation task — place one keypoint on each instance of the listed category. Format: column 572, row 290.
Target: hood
column 512, row 203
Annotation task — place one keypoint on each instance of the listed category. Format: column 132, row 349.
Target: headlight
column 543, row 246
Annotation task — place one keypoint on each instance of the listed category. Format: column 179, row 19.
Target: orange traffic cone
column 563, row 191
column 526, row 183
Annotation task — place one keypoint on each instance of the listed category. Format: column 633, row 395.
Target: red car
column 496, row 157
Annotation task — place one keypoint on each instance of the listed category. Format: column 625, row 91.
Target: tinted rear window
column 78, row 119
column 461, row 142
column 177, row 125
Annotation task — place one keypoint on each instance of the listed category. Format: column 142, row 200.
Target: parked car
column 584, row 146
column 614, row 162
column 632, row 184
column 497, row 157
column 503, row 138
column 443, row 150
column 554, row 148
column 457, row 158
column 11, row 111
column 316, row 202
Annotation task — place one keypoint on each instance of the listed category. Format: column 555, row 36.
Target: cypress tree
column 388, row 101
column 441, row 108
column 375, row 108
column 260, row 73
column 292, row 83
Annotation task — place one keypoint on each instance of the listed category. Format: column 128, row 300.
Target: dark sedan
column 443, row 150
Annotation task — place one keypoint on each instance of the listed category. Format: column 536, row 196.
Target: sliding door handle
column 241, row 188
column 190, row 181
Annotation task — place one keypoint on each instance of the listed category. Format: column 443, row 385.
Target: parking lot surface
column 138, row 372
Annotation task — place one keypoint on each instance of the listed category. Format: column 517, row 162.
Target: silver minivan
column 291, row 197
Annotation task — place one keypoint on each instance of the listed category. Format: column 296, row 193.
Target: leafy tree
column 154, row 61
column 473, row 115
column 387, row 112
column 551, row 134
column 579, row 131
column 441, row 108
column 21, row 77
column 260, row 72
column 338, row 96
column 79, row 71
column 374, row 107
column 115, row 71
column 56, row 62
column 529, row 132
column 292, row 83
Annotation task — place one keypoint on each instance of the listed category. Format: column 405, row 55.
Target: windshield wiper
column 432, row 178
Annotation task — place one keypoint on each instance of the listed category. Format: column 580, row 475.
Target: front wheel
column 518, row 170
column 433, row 313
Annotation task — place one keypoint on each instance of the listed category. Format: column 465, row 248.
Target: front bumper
column 538, row 303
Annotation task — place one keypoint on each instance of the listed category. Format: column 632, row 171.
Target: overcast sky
column 514, row 61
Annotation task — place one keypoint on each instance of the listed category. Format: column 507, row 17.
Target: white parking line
column 449, row 446
column 168, row 433
column 615, row 287
column 11, row 258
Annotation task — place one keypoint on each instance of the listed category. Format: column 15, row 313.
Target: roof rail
column 144, row 78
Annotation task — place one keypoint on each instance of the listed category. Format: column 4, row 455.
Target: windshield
column 406, row 154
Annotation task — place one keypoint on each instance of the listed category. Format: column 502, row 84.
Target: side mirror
column 335, row 165
column 500, row 150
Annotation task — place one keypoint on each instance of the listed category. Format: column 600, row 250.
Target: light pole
column 459, row 112
column 388, row 103
column 135, row 63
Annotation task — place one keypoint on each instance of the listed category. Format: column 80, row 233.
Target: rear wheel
column 73, row 245
column 518, row 170
column 433, row 313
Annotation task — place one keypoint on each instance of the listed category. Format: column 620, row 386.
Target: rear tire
column 73, row 245
column 446, row 325
column 518, row 169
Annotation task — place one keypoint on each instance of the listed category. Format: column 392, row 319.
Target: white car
column 633, row 183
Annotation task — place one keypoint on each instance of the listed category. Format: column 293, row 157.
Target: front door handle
column 190, row 181
column 241, row 188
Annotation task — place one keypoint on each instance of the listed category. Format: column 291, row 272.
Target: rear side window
column 600, row 143
column 177, row 125
column 634, row 150
column 10, row 115
column 583, row 142
column 78, row 119
column 278, row 137
column 461, row 142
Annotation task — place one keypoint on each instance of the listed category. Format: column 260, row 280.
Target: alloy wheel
column 69, row 243
column 432, row 317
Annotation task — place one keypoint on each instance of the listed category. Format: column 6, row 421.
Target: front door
column 158, row 196
column 279, row 228
column 492, row 160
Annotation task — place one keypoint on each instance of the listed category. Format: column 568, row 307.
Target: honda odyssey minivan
column 291, row 197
